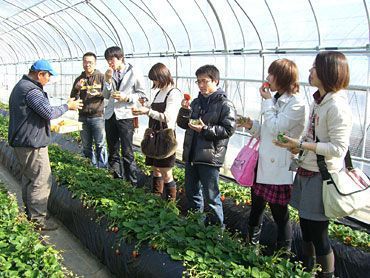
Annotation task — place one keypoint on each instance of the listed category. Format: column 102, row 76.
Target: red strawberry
column 187, row 96
column 266, row 85
column 135, row 253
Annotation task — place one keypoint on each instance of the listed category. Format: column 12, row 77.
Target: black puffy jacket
column 210, row 145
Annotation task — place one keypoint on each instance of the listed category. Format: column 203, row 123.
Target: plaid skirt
column 274, row 194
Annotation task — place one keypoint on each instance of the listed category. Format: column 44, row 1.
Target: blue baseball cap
column 43, row 65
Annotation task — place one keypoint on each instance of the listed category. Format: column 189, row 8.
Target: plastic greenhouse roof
column 63, row 30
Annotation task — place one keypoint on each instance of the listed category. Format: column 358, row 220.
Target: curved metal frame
column 240, row 26
column 251, row 22
column 151, row 16
column 25, row 45
column 164, row 33
column 123, row 26
column 182, row 22
column 273, row 19
column 138, row 23
column 41, row 40
column 59, row 29
column 317, row 24
column 71, row 28
column 11, row 48
column 209, row 25
column 105, row 18
column 27, row 38
column 74, row 44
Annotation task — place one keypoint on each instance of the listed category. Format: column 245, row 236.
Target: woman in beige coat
column 328, row 135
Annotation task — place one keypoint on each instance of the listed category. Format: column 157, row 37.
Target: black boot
column 327, row 265
column 285, row 245
column 158, row 184
column 170, row 191
column 325, row 275
column 254, row 233
column 308, row 258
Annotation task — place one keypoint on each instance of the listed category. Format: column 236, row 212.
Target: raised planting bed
column 177, row 241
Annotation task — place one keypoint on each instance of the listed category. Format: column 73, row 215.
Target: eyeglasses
column 204, row 81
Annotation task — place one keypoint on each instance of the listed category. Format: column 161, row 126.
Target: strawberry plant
column 21, row 252
column 231, row 190
column 205, row 250
column 241, row 196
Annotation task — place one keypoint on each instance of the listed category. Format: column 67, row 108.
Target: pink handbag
column 244, row 165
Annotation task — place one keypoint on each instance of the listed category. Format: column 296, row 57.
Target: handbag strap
column 255, row 145
column 165, row 101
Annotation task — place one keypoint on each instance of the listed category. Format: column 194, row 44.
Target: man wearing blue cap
column 29, row 134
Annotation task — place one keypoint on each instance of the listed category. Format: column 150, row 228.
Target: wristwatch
column 300, row 146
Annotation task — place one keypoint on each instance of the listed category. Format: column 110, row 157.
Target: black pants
column 316, row 232
column 120, row 134
column 279, row 212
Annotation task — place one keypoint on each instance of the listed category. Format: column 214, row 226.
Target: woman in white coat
column 282, row 113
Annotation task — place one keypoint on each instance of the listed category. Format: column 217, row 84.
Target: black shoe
column 116, row 175
column 47, row 225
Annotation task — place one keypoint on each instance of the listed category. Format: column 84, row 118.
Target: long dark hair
column 332, row 69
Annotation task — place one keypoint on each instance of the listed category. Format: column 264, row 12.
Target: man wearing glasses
column 209, row 122
column 88, row 87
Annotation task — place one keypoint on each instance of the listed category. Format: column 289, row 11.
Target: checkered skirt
column 274, row 194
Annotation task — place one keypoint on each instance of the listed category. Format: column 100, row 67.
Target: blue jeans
column 202, row 180
column 93, row 131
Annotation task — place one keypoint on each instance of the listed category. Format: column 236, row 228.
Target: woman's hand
column 265, row 92
column 244, row 122
column 136, row 111
column 291, row 144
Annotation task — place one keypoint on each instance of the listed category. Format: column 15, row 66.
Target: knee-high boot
column 158, row 184
column 327, row 265
column 170, row 190
column 308, row 258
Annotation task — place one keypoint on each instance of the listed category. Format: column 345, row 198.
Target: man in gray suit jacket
column 123, row 88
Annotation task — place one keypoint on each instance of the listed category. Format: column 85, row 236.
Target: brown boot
column 327, row 265
column 158, row 184
column 170, row 191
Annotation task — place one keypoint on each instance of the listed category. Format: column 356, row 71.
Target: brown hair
column 159, row 72
column 332, row 69
column 286, row 76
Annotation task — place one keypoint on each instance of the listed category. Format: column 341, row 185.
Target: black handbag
column 159, row 144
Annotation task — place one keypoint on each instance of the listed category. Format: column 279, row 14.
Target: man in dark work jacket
column 88, row 87
column 29, row 134
column 205, row 142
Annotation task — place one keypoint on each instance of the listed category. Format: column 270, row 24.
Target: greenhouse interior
column 69, row 213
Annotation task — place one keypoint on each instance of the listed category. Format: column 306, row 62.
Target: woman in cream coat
column 282, row 113
column 331, row 123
